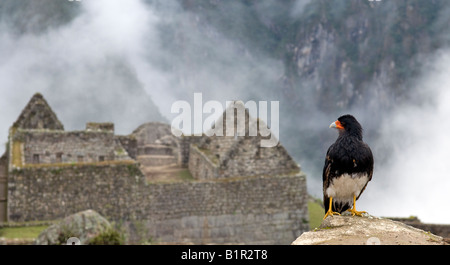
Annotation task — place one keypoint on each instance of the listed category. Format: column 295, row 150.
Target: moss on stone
column 17, row 154
column 108, row 237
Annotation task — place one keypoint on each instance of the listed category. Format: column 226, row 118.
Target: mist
column 106, row 61
column 86, row 65
column 412, row 178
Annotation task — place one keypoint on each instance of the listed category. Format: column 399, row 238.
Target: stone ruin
column 159, row 187
column 216, row 157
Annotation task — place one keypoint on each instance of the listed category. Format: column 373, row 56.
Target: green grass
column 185, row 175
column 22, row 232
column 316, row 214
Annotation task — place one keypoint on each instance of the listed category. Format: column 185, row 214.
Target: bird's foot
column 355, row 212
column 330, row 213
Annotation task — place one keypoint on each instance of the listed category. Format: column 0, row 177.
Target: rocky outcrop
column 366, row 230
column 84, row 225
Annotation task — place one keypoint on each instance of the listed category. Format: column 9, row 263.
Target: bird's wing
column 367, row 163
column 327, row 169
column 367, row 158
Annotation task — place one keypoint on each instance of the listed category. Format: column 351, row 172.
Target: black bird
column 348, row 168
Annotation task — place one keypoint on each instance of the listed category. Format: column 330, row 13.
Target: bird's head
column 347, row 124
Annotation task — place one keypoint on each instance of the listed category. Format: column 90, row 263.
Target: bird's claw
column 355, row 212
column 330, row 213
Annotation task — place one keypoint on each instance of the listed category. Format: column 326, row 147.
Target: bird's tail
column 326, row 203
column 336, row 206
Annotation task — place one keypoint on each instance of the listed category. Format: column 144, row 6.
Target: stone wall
column 49, row 192
column 155, row 161
column 154, row 149
column 44, row 147
column 3, row 187
column 183, row 156
column 149, row 133
column 256, row 210
column 156, row 144
column 236, row 150
column 184, row 143
column 100, row 127
column 129, row 142
column 225, row 157
column 201, row 165
column 259, row 210
column 250, row 159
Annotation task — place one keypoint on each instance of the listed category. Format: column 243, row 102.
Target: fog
column 415, row 144
column 86, row 66
column 103, row 60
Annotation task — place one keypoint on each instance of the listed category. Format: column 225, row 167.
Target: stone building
column 156, row 144
column 222, row 156
column 39, row 138
column 215, row 190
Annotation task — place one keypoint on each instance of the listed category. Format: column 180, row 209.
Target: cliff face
column 358, row 52
column 367, row 230
column 361, row 52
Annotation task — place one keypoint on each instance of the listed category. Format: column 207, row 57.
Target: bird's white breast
column 344, row 187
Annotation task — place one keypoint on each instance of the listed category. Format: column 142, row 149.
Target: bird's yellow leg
column 353, row 210
column 330, row 212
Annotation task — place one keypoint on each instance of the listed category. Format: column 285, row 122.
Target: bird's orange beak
column 337, row 124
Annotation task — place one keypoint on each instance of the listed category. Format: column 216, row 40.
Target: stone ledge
column 349, row 230
column 77, row 164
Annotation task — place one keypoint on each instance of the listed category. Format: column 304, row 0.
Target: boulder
column 366, row 230
column 84, row 225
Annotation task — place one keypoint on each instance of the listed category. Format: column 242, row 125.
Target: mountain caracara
column 348, row 168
